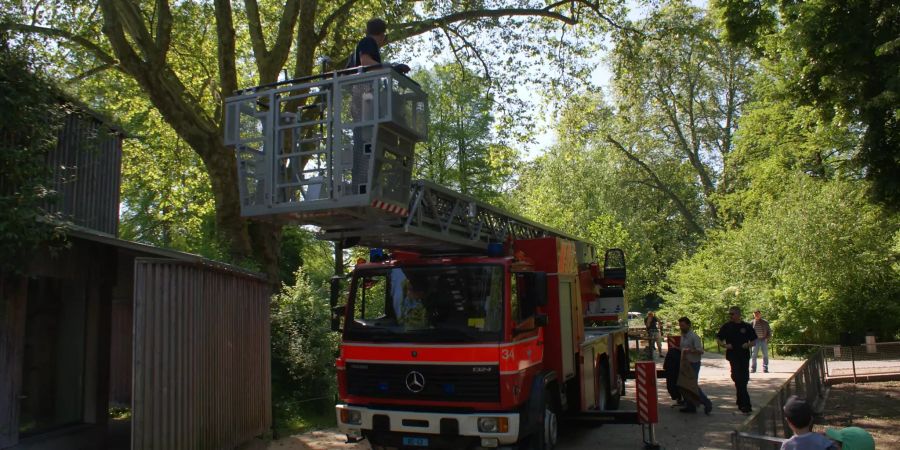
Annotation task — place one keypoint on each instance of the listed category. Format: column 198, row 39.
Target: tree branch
column 418, row 27
column 91, row 72
column 474, row 50
column 269, row 62
column 82, row 42
column 307, row 39
column 226, row 47
column 163, row 29
column 129, row 16
column 162, row 86
column 285, row 35
column 659, row 185
column 342, row 10
column 595, row 7
column 254, row 23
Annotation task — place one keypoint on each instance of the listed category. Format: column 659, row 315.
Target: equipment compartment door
column 565, row 328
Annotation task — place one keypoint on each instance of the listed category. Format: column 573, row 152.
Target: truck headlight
column 493, row 424
column 351, row 416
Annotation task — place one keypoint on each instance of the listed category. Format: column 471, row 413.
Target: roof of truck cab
column 436, row 261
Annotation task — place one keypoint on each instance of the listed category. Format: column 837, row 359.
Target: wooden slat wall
column 85, row 169
column 120, row 353
column 13, row 291
column 201, row 357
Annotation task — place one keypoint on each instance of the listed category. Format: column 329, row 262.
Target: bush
column 303, row 350
column 819, row 261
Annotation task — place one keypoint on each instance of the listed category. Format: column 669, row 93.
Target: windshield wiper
column 450, row 334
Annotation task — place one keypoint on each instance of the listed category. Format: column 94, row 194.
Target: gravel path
column 675, row 431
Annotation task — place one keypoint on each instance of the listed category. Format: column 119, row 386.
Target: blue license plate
column 415, row 441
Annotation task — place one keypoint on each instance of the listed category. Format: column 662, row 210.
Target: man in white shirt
column 691, row 351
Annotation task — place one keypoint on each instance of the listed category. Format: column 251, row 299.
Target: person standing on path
column 691, row 352
column 653, row 328
column 737, row 337
column 763, row 333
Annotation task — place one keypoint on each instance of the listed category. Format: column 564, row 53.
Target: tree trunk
column 248, row 239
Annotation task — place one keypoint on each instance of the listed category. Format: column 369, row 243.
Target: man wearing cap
column 763, row 333
column 851, row 438
column 737, row 337
column 799, row 416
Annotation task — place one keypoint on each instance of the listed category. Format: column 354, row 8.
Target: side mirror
column 336, row 314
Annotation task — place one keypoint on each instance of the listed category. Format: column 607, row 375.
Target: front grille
column 475, row 383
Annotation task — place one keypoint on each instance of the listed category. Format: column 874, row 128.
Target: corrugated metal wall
column 85, row 169
column 201, row 357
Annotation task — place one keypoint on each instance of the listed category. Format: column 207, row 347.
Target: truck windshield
column 427, row 304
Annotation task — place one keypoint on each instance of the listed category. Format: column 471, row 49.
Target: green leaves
column 462, row 150
column 845, row 60
column 31, row 112
column 817, row 260
column 303, row 345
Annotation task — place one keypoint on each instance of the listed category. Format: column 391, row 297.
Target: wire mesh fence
column 864, row 360
column 767, row 427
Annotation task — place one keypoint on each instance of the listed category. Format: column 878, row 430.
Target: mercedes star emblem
column 415, row 381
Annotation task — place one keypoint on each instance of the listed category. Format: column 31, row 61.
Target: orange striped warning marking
column 391, row 208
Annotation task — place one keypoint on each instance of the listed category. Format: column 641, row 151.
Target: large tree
column 464, row 151
column 846, row 57
column 185, row 57
column 678, row 93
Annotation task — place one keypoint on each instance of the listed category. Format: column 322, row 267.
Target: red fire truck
column 475, row 328
column 498, row 352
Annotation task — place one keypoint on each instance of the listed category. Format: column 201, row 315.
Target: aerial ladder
column 336, row 151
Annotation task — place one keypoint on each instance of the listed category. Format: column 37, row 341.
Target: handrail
column 322, row 76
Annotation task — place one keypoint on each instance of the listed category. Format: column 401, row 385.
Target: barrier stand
column 647, row 398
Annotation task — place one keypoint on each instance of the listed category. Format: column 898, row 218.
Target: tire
column 602, row 386
column 548, row 434
column 607, row 400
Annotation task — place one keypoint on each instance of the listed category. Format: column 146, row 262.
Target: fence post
column 853, row 361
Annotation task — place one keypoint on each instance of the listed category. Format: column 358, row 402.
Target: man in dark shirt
column 738, row 337
column 368, row 49
column 653, row 331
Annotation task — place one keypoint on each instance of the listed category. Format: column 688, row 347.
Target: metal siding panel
column 208, row 336
column 88, row 188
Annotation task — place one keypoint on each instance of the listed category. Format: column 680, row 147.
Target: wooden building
column 177, row 342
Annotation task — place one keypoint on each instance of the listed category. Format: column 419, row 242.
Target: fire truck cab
column 475, row 351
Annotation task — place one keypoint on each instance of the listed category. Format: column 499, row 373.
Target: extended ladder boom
column 439, row 220
column 336, row 151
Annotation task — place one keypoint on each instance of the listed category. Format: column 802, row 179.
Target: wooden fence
column 201, row 356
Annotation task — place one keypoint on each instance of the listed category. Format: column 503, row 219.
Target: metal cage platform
column 328, row 150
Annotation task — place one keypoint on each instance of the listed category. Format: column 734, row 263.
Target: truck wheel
column 546, row 436
column 607, row 400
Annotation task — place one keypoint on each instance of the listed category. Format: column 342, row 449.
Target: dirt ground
column 874, row 407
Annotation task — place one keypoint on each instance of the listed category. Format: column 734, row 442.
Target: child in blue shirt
column 799, row 417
